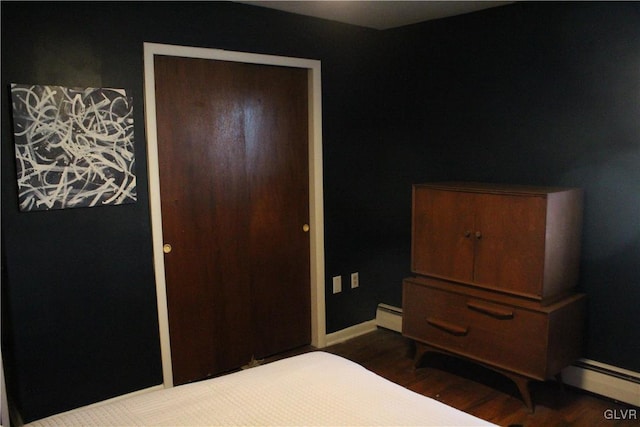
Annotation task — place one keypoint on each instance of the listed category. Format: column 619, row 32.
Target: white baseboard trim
column 387, row 316
column 605, row 380
column 351, row 332
column 596, row 377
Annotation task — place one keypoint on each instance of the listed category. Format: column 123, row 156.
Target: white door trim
column 316, row 216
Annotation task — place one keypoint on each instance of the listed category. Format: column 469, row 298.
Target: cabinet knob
column 478, row 235
column 166, row 248
column 467, row 234
column 305, row 228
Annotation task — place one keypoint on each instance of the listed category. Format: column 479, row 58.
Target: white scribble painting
column 74, row 147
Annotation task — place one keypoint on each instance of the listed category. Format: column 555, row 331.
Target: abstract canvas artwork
column 74, row 147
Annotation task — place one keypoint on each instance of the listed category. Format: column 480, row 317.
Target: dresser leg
column 521, row 382
column 420, row 351
column 523, row 387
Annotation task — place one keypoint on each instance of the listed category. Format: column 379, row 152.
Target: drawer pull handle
column 448, row 327
column 491, row 311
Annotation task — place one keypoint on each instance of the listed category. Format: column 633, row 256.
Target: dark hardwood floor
column 476, row 390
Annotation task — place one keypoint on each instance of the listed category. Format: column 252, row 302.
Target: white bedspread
column 313, row 389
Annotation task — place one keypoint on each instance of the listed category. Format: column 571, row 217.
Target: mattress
column 312, row 389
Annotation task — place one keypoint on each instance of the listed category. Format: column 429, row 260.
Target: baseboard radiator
column 606, row 380
column 389, row 317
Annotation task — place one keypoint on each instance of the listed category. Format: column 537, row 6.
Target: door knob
column 305, row 228
column 166, row 248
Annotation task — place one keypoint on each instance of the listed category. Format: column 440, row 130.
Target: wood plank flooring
column 477, row 390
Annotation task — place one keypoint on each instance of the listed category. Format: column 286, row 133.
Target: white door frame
column 316, row 216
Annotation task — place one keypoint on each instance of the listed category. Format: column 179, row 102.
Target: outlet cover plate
column 337, row 284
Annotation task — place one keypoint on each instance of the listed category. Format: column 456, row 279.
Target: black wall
column 542, row 93
column 545, row 94
column 79, row 308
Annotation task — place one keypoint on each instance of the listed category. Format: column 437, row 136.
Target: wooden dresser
column 495, row 269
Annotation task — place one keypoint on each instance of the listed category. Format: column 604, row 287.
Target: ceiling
column 378, row 14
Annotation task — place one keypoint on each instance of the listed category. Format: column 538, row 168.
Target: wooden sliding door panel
column 232, row 147
column 278, row 170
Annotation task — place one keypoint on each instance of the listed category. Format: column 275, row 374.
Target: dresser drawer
column 504, row 336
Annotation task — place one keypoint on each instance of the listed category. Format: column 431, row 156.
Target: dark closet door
column 234, row 184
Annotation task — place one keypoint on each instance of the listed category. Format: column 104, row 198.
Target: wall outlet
column 337, row 284
column 355, row 280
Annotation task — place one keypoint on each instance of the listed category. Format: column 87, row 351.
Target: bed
column 312, row 389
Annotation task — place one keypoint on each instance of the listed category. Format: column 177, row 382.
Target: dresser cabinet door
column 443, row 226
column 510, row 243
column 496, row 241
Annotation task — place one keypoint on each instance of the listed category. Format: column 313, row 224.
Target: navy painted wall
column 539, row 93
column 542, row 93
column 79, row 308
